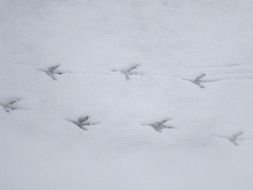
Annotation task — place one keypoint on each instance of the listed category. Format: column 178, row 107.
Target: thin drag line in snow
column 93, row 73
column 115, row 74
column 223, row 66
column 238, row 77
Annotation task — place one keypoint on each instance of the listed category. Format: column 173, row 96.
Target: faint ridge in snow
column 231, row 65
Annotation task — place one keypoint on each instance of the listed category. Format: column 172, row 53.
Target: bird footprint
column 234, row 138
column 10, row 105
column 82, row 122
column 53, row 71
column 200, row 80
column 158, row 126
column 129, row 71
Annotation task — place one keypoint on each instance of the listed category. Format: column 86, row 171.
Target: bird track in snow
column 82, row 122
column 234, row 138
column 199, row 80
column 158, row 126
column 53, row 71
column 10, row 105
column 129, row 71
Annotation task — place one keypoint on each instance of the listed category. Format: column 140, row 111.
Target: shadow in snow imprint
column 82, row 122
column 160, row 125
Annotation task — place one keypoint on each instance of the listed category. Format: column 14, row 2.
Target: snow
column 172, row 42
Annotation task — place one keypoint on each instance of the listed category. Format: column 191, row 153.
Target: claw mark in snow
column 160, row 125
column 83, row 121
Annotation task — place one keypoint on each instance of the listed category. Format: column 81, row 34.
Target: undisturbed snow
column 172, row 42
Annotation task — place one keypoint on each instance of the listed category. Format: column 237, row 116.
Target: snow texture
column 126, row 94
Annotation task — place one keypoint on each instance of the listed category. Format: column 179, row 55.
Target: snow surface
column 173, row 42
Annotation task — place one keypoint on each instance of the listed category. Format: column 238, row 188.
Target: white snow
column 170, row 40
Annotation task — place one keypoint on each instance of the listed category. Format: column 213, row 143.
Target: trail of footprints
column 84, row 122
